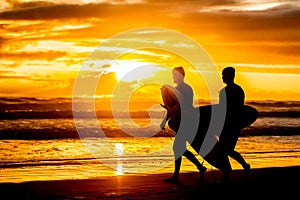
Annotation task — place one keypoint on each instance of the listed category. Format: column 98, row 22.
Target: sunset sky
column 43, row 44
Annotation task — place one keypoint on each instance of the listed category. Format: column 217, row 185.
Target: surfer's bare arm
column 163, row 123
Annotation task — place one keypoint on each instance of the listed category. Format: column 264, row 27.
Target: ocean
column 40, row 140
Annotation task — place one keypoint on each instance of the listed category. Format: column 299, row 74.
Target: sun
column 129, row 71
column 123, row 69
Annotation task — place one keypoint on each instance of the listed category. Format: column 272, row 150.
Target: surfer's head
column 228, row 74
column 178, row 74
column 180, row 70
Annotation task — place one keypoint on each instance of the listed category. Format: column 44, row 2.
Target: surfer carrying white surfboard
column 184, row 94
column 232, row 96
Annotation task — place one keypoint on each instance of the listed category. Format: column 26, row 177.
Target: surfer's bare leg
column 226, row 175
column 236, row 155
column 179, row 147
column 191, row 157
column 239, row 158
column 227, row 166
column 175, row 177
column 177, row 167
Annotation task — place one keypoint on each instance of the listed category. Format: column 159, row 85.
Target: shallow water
column 28, row 160
column 38, row 141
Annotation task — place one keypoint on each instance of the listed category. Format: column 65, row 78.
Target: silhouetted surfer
column 232, row 96
column 186, row 103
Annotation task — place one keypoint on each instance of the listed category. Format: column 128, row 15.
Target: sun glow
column 130, row 70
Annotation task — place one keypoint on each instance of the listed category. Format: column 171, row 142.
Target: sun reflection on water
column 119, row 151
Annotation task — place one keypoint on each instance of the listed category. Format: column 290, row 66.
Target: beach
column 45, row 156
column 264, row 182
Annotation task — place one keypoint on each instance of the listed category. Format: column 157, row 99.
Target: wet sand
column 263, row 183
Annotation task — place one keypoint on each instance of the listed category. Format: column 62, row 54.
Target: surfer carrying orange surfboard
column 183, row 118
column 184, row 94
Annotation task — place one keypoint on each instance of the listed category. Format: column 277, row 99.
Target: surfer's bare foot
column 173, row 179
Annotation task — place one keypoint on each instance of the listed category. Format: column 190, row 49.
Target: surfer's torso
column 232, row 96
column 186, row 102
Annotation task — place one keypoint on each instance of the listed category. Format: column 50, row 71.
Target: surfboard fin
column 163, row 106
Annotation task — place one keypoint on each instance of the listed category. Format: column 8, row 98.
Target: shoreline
column 268, row 182
column 54, row 133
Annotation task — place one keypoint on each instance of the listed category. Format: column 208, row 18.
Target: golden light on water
column 119, row 151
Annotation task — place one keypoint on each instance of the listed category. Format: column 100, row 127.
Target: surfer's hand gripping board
column 171, row 99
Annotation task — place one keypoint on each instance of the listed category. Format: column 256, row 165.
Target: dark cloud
column 54, row 12
column 195, row 2
column 15, row 77
column 219, row 2
column 2, row 41
column 47, row 10
column 14, row 4
column 291, row 50
column 252, row 25
column 45, row 55
column 75, row 11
